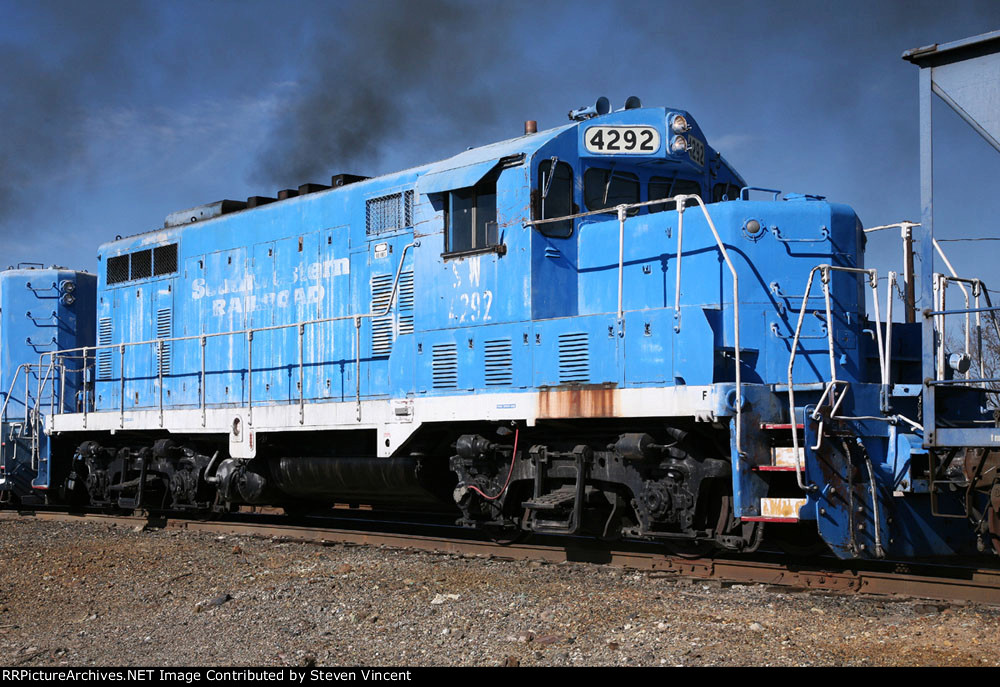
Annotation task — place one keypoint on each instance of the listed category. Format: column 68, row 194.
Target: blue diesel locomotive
column 590, row 329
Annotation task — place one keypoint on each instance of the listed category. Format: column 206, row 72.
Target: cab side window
column 723, row 192
column 606, row 188
column 555, row 191
column 471, row 218
column 663, row 187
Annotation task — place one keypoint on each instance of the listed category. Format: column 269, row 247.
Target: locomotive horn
column 632, row 103
column 601, row 107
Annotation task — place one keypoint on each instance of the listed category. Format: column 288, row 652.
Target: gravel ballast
column 86, row 594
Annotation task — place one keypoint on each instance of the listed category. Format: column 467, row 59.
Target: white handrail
column 10, row 391
column 248, row 332
column 825, row 269
column 681, row 201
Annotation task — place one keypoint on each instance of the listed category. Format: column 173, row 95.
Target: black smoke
column 385, row 77
column 78, row 55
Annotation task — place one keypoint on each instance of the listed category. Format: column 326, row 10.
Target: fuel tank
column 405, row 482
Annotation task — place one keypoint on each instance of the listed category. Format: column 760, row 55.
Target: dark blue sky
column 114, row 114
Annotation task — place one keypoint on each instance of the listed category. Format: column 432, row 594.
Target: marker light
column 678, row 145
column 679, row 124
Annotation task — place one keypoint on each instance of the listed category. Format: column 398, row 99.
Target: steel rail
column 908, row 579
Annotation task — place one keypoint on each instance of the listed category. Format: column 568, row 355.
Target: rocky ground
column 83, row 594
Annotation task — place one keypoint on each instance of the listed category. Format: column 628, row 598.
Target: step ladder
column 779, row 510
column 557, row 511
column 780, row 458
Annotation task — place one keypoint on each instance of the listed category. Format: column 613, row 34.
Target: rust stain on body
column 787, row 508
column 593, row 400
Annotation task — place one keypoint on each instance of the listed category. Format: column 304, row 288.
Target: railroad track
column 909, row 579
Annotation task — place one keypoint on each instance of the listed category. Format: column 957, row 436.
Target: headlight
column 678, row 145
column 679, row 124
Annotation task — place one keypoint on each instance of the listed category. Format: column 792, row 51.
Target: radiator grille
column 142, row 264
column 104, row 354
column 444, row 366
column 499, row 362
column 574, row 358
column 387, row 213
column 164, row 329
column 408, row 208
column 165, row 259
column 117, row 269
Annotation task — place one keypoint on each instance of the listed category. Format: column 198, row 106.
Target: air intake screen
column 164, row 320
column 499, row 363
column 117, row 269
column 165, row 259
column 444, row 366
column 382, row 327
column 388, row 213
column 574, row 358
column 142, row 264
column 104, row 354
column 405, row 299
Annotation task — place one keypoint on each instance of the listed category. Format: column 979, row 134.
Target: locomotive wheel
column 505, row 535
column 689, row 549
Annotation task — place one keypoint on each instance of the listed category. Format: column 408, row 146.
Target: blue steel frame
column 966, row 60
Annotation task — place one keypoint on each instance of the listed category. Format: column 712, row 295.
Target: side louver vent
column 405, row 299
column 499, row 362
column 444, row 366
column 104, row 354
column 574, row 358
column 164, row 330
column 382, row 327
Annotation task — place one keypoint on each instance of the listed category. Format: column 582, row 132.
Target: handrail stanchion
column 62, row 387
column 677, row 280
column 977, row 292
column 883, row 365
column 202, row 380
column 357, row 366
column 887, row 382
column 121, row 349
column 736, row 319
column 825, row 279
column 942, row 302
column 250, row 378
column 86, row 391
column 621, row 263
column 302, row 385
column 159, row 375
column 52, row 391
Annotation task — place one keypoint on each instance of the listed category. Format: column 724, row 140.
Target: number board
column 617, row 140
column 696, row 151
